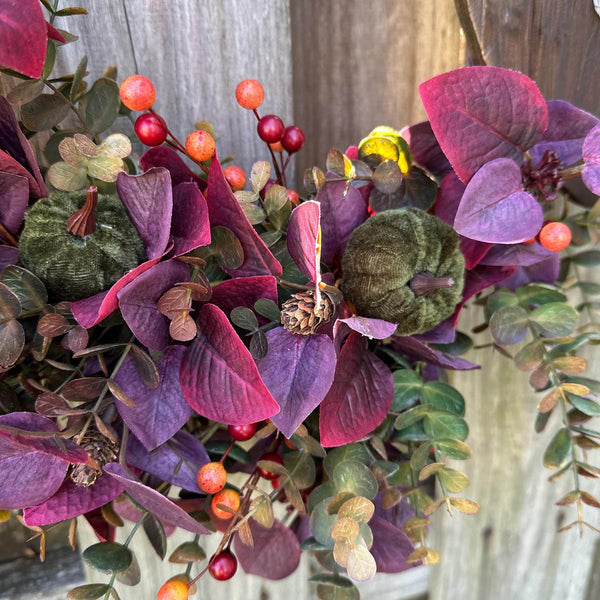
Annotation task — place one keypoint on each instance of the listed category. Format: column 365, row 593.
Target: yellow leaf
column 345, row 530
column 467, row 507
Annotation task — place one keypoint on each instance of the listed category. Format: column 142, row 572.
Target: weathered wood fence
column 337, row 68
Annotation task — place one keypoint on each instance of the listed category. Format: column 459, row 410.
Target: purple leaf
column 163, row 156
column 243, row 291
column 494, row 207
column 225, row 210
column 14, row 198
column 360, row 396
column 419, row 351
column 425, row 148
column 304, row 239
column 156, row 503
column 190, row 227
column 137, row 301
column 160, row 412
column 176, row 461
column 218, row 376
column 482, row 113
column 90, row 311
column 545, row 271
column 9, row 255
column 126, row 510
column 275, row 554
column 567, row 128
column 391, row 546
column 72, row 500
column 341, row 214
column 298, row 371
column 148, row 200
column 23, row 33
column 518, row 254
column 442, row 333
column 591, row 157
column 372, row 328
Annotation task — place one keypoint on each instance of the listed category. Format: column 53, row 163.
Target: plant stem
column 466, row 22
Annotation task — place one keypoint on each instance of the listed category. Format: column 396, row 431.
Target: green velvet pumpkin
column 74, row 267
column 383, row 256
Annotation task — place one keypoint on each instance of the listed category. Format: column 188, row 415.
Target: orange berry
column 555, row 236
column 235, row 177
column 227, row 497
column 293, row 197
column 276, row 146
column 249, row 94
column 173, row 590
column 212, row 477
column 137, row 92
column 529, row 241
column 200, row 145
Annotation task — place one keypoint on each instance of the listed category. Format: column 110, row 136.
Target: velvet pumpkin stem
column 422, row 284
column 83, row 221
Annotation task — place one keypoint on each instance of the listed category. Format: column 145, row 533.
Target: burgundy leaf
column 425, row 148
column 138, row 299
column 190, row 227
column 9, row 255
column 275, row 554
column 304, row 239
column 224, row 210
column 371, row 328
column 567, row 128
column 54, row 34
column 218, row 376
column 341, row 214
column 176, row 461
column 90, row 311
column 148, row 200
column 417, row 350
column 160, row 412
column 243, row 291
column 545, row 271
column 23, row 34
column 72, row 500
column 482, row 113
column 163, row 156
column 494, row 207
column 360, row 396
column 591, row 157
column 14, row 198
column 442, row 333
column 298, row 370
column 156, row 503
column 517, row 254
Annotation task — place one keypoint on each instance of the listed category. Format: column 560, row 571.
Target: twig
column 466, row 22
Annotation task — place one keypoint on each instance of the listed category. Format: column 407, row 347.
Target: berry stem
column 227, row 451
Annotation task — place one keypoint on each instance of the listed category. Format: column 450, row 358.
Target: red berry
column 555, row 236
column 227, row 497
column 223, row 566
column 137, row 92
column 173, row 590
column 294, row 199
column 212, row 477
column 235, row 177
column 150, row 129
column 200, row 145
column 273, row 458
column 270, row 129
column 267, row 185
column 293, row 139
column 241, row 433
column 249, row 94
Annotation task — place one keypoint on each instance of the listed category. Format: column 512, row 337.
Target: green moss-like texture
column 70, row 266
column 386, row 252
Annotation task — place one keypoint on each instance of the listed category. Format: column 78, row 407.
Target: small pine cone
column 101, row 451
column 300, row 315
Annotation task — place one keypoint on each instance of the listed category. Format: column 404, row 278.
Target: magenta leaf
column 591, row 158
column 419, row 351
column 190, row 227
column 148, row 200
column 218, row 376
column 424, row 147
column 298, row 371
column 156, row 503
column 160, row 412
column 23, row 34
column 137, row 301
column 176, row 461
column 275, row 554
column 567, row 128
column 225, row 210
column 163, row 156
column 14, row 198
column 341, row 214
column 304, row 239
column 482, row 113
column 72, row 500
column 243, row 291
column 360, row 396
column 494, row 207
column 90, row 311
column 371, row 328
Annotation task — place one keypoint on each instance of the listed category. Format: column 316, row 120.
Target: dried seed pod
column 404, row 266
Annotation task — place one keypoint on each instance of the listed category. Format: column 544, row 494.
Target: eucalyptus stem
column 466, row 23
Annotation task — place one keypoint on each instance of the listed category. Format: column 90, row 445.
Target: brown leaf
column 145, row 366
column 173, row 301
column 12, row 342
column 52, row 325
column 201, row 292
column 73, row 534
column 183, row 327
column 106, row 430
column 539, row 378
column 590, row 500
column 569, row 498
column 549, row 401
column 360, row 509
column 110, row 516
column 118, row 393
column 427, row 556
column 85, row 388
column 245, row 534
column 345, row 529
column 76, row 339
column 572, row 365
column 391, row 497
column 52, row 405
column 338, row 501
column 414, row 527
column 467, row 507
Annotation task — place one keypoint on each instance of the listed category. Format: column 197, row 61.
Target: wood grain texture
column 357, row 65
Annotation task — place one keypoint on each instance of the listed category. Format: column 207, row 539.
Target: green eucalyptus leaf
column 454, row 449
column 534, row 294
column 89, row 591
column 407, row 389
column 530, row 356
column 387, row 177
column 355, row 477
column 440, row 425
column 303, row 466
column 244, row 317
column 25, row 91
column 226, row 248
column 275, row 198
column 259, row 175
column 420, row 189
column 187, row 552
column 268, row 309
column 271, row 237
column 589, row 258
column 499, row 299
column 325, row 491
column 454, row 481
column 155, row 532
column 309, row 444
column 131, row 575
column 584, row 405
column 237, row 453
column 254, row 213
column 420, row 456
column 321, row 524
column 589, row 287
column 108, row 557
column 100, row 106
column 411, row 416
column 44, row 112
column 327, row 591
column 67, row 178
column 357, row 452
column 558, row 450
column 509, row 325
column 443, row 396
column 50, row 59
column 259, row 345
column 78, row 78
column 554, row 319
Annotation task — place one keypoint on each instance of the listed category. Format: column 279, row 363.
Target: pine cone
column 101, row 451
column 300, row 314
